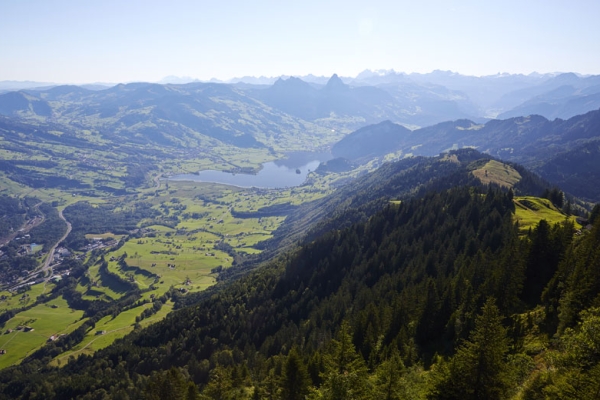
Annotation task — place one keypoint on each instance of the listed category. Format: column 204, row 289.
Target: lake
column 288, row 172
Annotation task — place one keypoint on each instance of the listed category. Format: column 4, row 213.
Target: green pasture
column 150, row 261
column 529, row 211
column 109, row 328
column 18, row 300
column 499, row 173
column 96, row 285
column 10, row 187
column 45, row 321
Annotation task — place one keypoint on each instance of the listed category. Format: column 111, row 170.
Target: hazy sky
column 145, row 40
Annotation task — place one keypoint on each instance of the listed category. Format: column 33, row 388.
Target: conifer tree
column 170, row 385
column 219, row 386
column 345, row 376
column 295, row 381
column 583, row 284
column 594, row 214
column 269, row 388
column 478, row 371
column 388, row 378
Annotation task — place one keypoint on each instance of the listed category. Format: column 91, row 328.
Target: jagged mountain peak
column 336, row 83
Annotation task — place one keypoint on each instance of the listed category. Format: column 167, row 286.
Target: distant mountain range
column 173, row 115
column 294, row 114
column 417, row 100
column 564, row 152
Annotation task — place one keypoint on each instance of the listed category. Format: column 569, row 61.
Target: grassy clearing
column 529, row 211
column 16, row 300
column 150, row 261
column 498, row 173
column 113, row 328
column 99, row 286
column 53, row 318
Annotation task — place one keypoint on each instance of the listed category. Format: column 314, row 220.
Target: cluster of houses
column 54, row 338
column 61, row 253
column 98, row 243
column 24, row 237
column 21, row 328
column 26, row 249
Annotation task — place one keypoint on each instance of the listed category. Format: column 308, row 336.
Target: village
column 60, row 254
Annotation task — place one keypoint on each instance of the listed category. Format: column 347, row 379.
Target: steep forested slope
column 394, row 290
column 392, row 181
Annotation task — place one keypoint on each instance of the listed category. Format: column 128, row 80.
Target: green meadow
column 498, row 173
column 96, row 285
column 529, row 211
column 52, row 318
column 110, row 328
column 14, row 300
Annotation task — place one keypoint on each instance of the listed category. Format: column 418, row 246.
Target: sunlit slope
column 498, row 173
column 530, row 210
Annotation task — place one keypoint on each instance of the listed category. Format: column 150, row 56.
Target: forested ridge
column 436, row 297
column 414, row 176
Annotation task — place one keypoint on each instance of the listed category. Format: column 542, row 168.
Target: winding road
column 157, row 181
column 47, row 263
column 50, row 257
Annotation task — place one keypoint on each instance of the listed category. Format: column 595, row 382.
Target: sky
column 73, row 41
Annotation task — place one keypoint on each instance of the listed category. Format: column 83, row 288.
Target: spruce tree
column 345, row 376
column 219, row 386
column 388, row 378
column 170, row 385
column 295, row 381
column 478, row 371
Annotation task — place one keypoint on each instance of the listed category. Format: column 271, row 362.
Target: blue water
column 274, row 174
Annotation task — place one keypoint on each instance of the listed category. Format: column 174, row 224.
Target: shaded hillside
column 532, row 141
column 298, row 98
column 524, row 139
column 370, row 142
column 576, row 171
column 293, row 96
column 416, row 279
column 18, row 103
column 563, row 96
